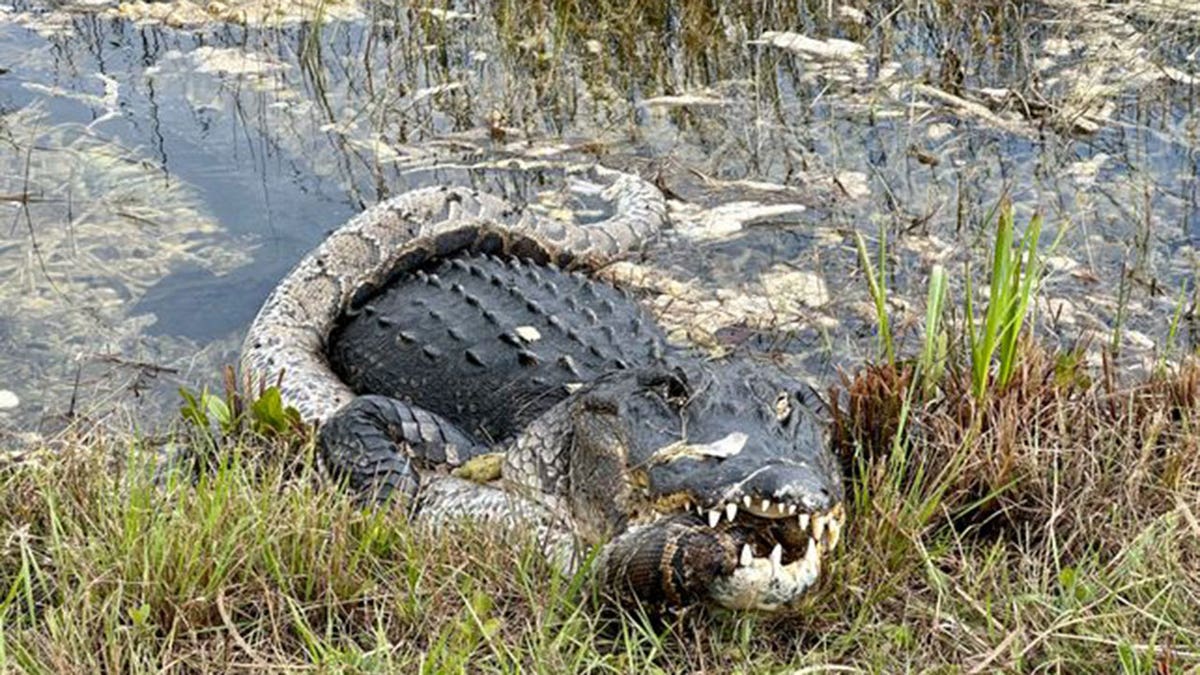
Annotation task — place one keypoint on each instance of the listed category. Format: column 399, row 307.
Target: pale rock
column 1085, row 171
column 1059, row 263
column 939, row 130
column 1059, row 310
column 1138, row 339
column 802, row 286
column 1058, row 46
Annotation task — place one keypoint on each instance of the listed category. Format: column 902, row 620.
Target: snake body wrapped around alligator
column 445, row 326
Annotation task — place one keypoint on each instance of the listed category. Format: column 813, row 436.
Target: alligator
column 445, row 329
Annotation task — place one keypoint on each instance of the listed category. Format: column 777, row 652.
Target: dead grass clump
column 1053, row 454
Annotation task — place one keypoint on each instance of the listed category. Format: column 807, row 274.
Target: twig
column 132, row 363
column 234, row 633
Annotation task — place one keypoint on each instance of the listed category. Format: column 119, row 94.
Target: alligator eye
column 672, row 385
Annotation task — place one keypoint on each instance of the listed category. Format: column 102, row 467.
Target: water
column 159, row 180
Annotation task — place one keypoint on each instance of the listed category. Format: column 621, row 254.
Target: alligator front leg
column 373, row 441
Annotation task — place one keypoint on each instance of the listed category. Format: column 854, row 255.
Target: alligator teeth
column 747, row 555
column 834, row 530
column 791, row 509
column 804, row 522
column 730, row 511
column 766, row 506
column 776, row 558
column 714, row 517
column 818, row 524
column 812, row 557
column 746, row 501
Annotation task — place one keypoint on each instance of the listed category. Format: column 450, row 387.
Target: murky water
column 161, row 168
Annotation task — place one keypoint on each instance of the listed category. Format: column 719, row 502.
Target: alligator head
column 713, row 480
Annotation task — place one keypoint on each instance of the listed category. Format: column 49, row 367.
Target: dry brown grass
column 1084, row 462
column 1053, row 528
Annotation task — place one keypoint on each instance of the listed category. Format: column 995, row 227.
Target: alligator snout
column 779, row 497
column 780, row 485
column 757, row 481
column 735, row 467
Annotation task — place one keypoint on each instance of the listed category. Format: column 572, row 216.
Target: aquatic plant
column 877, row 286
column 935, row 341
column 1013, row 283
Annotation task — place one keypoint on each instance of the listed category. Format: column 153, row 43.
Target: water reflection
column 159, row 179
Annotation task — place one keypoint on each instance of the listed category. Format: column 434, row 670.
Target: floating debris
column 231, row 61
column 727, row 219
column 684, row 101
column 832, row 48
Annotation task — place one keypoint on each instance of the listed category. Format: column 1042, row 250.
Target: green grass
column 1048, row 521
column 1014, row 279
column 876, row 276
column 934, row 343
column 1061, row 536
column 993, row 344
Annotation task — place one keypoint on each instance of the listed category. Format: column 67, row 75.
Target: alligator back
column 286, row 342
column 490, row 344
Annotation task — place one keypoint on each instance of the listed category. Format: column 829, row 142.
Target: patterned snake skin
column 744, row 497
column 289, row 334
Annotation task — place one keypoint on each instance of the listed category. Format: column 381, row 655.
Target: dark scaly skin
column 490, row 343
column 368, row 431
column 286, row 340
column 492, row 350
column 622, row 458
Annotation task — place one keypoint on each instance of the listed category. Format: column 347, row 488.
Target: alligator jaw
column 825, row 528
column 766, row 584
column 761, row 579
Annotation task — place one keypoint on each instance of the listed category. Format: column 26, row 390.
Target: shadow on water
column 188, row 167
